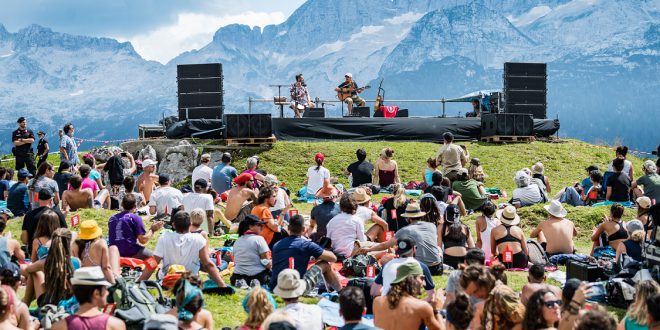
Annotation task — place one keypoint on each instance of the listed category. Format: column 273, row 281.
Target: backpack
column 358, row 264
column 51, row 314
column 620, row 292
column 536, row 254
column 135, row 303
column 161, row 322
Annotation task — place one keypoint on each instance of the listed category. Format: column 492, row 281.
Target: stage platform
column 428, row 129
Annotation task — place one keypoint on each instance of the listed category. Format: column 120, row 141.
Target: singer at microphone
column 300, row 99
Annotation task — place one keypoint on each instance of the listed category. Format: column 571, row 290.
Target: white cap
column 348, row 74
column 148, row 162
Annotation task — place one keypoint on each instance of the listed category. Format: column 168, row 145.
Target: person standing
column 451, row 157
column 223, row 174
column 42, row 148
column 68, row 147
column 22, row 138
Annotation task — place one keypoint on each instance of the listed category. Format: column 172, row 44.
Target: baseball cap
column 202, row 183
column 404, row 246
column 319, row 156
column 148, row 162
column 243, row 178
column 20, row 120
column 11, row 270
column 253, row 220
column 406, row 270
column 24, row 173
column 348, row 74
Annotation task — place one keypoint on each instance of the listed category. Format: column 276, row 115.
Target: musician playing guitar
column 348, row 92
column 300, row 99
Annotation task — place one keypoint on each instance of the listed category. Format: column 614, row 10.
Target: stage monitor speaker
column 525, row 69
column 314, row 113
column 538, row 111
column 402, row 113
column 506, row 124
column 202, row 85
column 525, row 97
column 200, row 100
column 200, row 113
column 237, row 126
column 525, row 83
column 207, row 70
column 361, row 112
column 260, row 126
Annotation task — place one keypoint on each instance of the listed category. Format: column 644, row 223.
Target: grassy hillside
column 565, row 164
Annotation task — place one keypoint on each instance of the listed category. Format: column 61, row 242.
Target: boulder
column 147, row 153
column 102, row 154
column 179, row 161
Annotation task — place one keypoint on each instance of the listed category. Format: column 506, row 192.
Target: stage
column 428, row 129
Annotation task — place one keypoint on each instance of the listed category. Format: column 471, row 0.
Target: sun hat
column 404, row 245
column 327, row 191
column 149, row 162
column 319, row 156
column 538, row 168
column 361, row 196
column 243, row 178
column 509, row 216
column 91, row 276
column 643, row 202
column 348, row 74
column 271, row 179
column 413, row 211
column 407, row 269
column 555, row 208
column 89, row 229
column 649, row 166
column 289, row 284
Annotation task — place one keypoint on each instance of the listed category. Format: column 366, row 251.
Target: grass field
column 565, row 164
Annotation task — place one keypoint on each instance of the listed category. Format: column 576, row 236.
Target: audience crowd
column 376, row 259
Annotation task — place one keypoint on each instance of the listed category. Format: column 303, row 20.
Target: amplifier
column 361, row 112
column 584, row 271
column 314, row 113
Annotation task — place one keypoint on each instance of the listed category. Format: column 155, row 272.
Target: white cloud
column 193, row 31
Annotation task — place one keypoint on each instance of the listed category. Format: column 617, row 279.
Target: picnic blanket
column 331, row 316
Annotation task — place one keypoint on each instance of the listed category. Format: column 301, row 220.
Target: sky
column 158, row 29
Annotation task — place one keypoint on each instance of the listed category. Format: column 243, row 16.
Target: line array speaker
column 239, row 126
column 200, row 93
column 201, row 85
column 507, row 124
column 525, row 69
column 200, row 100
column 200, row 113
column 207, row 70
column 525, row 83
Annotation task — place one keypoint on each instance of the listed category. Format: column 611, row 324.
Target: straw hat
column 289, row 284
column 556, row 209
column 327, row 191
column 89, row 229
column 509, row 216
column 361, row 196
column 413, row 211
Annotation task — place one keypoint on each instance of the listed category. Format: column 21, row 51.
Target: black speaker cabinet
column 525, row 83
column 402, row 113
column 200, row 85
column 361, row 112
column 237, row 126
column 525, row 97
column 260, row 126
column 538, row 111
column 314, row 113
column 199, row 70
column 525, row 69
column 200, row 100
column 200, row 113
column 507, row 124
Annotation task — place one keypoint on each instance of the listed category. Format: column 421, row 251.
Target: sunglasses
column 552, row 303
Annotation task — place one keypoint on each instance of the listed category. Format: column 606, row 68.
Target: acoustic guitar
column 343, row 93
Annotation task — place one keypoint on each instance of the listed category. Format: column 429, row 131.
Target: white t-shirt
column 202, row 172
column 315, row 179
column 344, row 229
column 179, row 249
column 194, row 200
column 626, row 167
column 166, row 196
column 281, row 200
column 307, row 317
column 246, row 254
column 364, row 214
column 389, row 272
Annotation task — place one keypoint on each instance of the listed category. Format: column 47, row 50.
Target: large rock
column 147, row 153
column 102, row 154
column 179, row 161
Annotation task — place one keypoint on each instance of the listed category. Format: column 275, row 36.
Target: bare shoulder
column 115, row 324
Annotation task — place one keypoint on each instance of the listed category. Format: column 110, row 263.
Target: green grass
column 565, row 164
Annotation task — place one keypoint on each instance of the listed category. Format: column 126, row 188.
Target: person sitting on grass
column 386, row 170
column 643, row 207
column 476, row 171
column 290, row 287
column 58, row 268
column 526, row 193
column 360, row 171
column 17, row 198
column 618, row 184
column 101, row 196
column 197, row 219
column 202, row 317
column 77, row 197
column 316, row 175
column 126, row 230
column 298, row 251
column 637, row 316
column 187, row 249
column 508, row 237
column 10, row 274
column 92, row 250
column 460, row 312
column 272, row 231
column 129, row 187
column 537, row 175
column 472, row 191
column 556, row 234
column 258, row 303
column 365, row 213
column 536, row 281
column 90, row 288
column 251, row 253
column 473, row 256
column 395, row 206
column 345, row 230
column 401, row 309
column 454, row 238
column 423, row 233
column 650, row 181
column 238, row 197
column 611, row 229
column 632, row 247
column 166, row 200
column 322, row 213
column 201, row 198
column 352, row 305
column 621, row 152
column 427, row 174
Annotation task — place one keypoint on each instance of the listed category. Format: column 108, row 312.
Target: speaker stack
column 242, row 126
column 507, row 124
column 200, row 91
column 525, row 88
